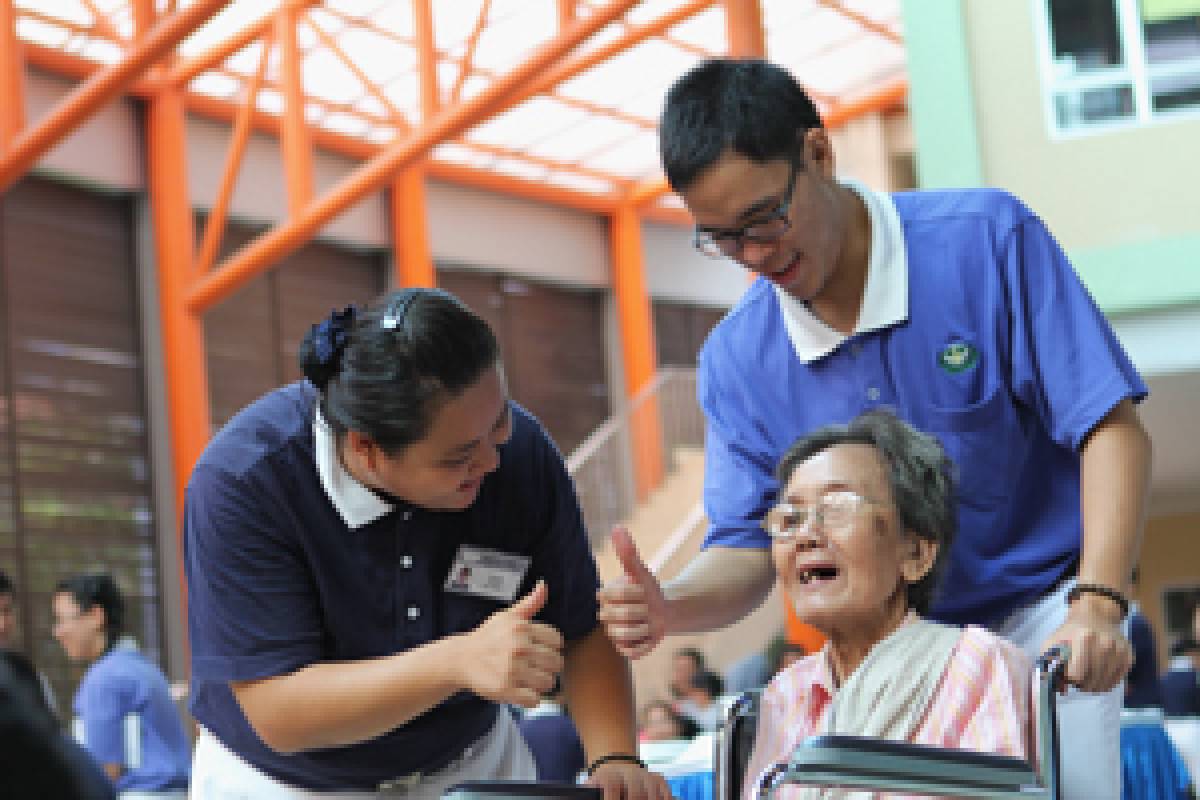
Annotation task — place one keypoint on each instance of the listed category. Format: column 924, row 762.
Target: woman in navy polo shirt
column 378, row 559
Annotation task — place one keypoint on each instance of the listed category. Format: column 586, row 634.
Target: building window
column 1118, row 62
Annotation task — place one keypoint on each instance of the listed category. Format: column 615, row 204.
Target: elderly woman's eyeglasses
column 834, row 512
column 728, row 243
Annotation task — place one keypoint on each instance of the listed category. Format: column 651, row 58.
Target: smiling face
column 444, row 470
column 848, row 579
column 736, row 192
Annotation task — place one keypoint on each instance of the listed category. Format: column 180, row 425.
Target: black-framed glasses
column 728, row 243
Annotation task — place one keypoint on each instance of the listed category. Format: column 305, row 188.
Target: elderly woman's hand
column 1100, row 654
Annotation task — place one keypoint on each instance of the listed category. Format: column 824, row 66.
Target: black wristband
column 1094, row 588
column 615, row 757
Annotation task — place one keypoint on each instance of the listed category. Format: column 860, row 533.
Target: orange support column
column 295, row 140
column 412, row 262
column 174, row 244
column 744, row 29
column 637, row 345
column 12, row 77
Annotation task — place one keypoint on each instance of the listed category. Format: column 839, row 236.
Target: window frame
column 1136, row 72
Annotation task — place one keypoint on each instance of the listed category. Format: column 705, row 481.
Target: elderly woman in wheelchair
column 865, row 516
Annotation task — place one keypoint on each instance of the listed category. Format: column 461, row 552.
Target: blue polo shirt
column 282, row 575
column 124, row 714
column 977, row 330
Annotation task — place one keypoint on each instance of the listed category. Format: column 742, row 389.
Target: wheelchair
column 857, row 762
column 875, row 764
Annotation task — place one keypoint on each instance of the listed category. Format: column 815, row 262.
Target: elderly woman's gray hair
column 920, row 473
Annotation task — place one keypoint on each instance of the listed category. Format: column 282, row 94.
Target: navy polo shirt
column 279, row 579
column 983, row 335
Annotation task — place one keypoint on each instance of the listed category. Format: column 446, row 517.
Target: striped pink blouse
column 981, row 704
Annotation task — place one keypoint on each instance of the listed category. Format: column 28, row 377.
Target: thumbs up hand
column 633, row 607
column 510, row 658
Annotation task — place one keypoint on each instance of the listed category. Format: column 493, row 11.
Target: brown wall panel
column 75, row 483
column 552, row 342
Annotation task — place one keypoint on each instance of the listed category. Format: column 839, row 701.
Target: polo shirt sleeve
column 563, row 555
column 739, row 478
column 105, row 700
column 1066, row 362
column 252, row 605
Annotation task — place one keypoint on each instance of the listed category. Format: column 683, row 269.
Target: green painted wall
column 1125, row 203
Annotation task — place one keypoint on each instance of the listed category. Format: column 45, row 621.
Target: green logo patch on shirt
column 958, row 357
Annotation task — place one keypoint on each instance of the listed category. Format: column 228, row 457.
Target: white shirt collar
column 356, row 504
column 885, row 297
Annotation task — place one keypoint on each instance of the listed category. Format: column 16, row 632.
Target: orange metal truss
column 456, row 91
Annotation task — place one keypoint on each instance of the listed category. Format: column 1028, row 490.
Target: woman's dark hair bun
column 321, row 351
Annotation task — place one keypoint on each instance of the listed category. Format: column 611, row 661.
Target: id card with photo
column 486, row 573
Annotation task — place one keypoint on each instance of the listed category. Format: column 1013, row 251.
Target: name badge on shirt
column 486, row 573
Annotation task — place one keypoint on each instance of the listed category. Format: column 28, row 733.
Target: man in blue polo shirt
column 958, row 310
column 380, row 559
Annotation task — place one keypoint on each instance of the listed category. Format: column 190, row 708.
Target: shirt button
column 855, row 348
column 413, row 612
column 407, row 516
column 872, row 394
column 406, row 562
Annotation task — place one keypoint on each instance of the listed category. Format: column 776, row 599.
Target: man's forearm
column 719, row 587
column 1115, row 473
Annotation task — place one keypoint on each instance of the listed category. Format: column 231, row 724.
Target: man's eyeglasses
column 717, row 243
column 834, row 512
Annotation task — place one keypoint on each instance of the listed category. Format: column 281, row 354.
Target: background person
column 124, row 715
column 334, row 649
column 958, row 309
column 860, row 534
column 37, row 758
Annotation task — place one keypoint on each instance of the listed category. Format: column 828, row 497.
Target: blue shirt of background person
column 124, row 714
column 337, row 643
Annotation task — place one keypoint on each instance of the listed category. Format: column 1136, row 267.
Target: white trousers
column 1089, row 724
column 220, row 774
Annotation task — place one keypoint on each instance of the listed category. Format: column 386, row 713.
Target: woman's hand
column 510, row 658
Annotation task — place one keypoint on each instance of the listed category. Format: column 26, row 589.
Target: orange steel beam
column 395, row 115
column 636, row 325
column 571, row 66
column 144, row 15
column 566, row 13
column 744, row 29
column 567, row 100
column 431, row 99
column 468, row 59
column 294, row 141
column 189, row 68
column 375, row 173
column 102, row 87
column 541, row 161
column 214, row 226
column 182, row 332
column 101, row 24
column 12, row 77
column 353, row 147
column 888, row 98
column 863, row 21
column 412, row 261
column 648, row 191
